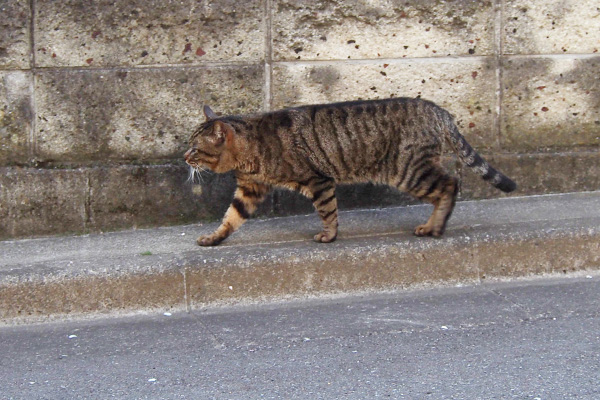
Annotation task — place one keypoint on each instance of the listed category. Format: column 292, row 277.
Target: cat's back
column 349, row 139
column 372, row 117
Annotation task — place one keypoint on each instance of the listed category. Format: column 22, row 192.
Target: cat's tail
column 473, row 160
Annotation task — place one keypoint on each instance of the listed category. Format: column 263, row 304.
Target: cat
column 311, row 148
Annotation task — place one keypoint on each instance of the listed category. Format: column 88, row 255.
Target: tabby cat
column 309, row 149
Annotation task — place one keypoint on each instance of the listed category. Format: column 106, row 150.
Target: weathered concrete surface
column 550, row 27
column 538, row 173
column 551, row 103
column 41, row 202
column 141, row 196
column 533, row 338
column 91, row 199
column 140, row 114
column 15, row 117
column 276, row 258
column 15, row 34
column 333, row 29
column 142, row 32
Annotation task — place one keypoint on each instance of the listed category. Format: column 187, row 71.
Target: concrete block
column 6, row 223
column 504, row 250
column 140, row 114
column 143, row 196
column 42, row 202
column 141, row 32
column 335, row 29
column 551, row 27
column 300, row 269
column 15, row 116
column 550, row 103
column 538, row 174
column 91, row 293
column 466, row 88
column 525, row 257
column 14, row 34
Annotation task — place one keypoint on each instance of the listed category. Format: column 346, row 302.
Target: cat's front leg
column 245, row 201
column 323, row 198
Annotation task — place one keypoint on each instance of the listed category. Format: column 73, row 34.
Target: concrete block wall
column 97, row 98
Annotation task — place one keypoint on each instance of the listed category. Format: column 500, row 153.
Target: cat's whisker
column 195, row 175
column 191, row 173
column 199, row 172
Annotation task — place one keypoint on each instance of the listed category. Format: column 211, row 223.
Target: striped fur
column 309, row 149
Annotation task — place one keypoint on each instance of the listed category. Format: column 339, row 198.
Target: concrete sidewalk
column 276, row 258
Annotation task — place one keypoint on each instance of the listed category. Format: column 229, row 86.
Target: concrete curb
column 49, row 278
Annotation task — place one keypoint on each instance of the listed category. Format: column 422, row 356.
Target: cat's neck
column 245, row 156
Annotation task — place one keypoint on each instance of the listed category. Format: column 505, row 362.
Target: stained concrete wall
column 97, row 98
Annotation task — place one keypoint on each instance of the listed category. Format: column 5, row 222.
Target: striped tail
column 473, row 160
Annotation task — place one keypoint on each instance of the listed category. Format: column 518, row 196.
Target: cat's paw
column 423, row 230
column 208, row 240
column 427, row 230
column 325, row 237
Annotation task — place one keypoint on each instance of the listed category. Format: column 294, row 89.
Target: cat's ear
column 224, row 133
column 209, row 114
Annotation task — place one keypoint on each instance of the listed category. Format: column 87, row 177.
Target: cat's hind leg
column 246, row 199
column 431, row 183
column 322, row 193
column 441, row 192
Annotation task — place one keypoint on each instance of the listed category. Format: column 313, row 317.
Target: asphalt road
column 534, row 339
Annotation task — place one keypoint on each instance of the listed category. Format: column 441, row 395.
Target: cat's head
column 211, row 145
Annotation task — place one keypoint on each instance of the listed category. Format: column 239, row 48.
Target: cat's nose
column 187, row 154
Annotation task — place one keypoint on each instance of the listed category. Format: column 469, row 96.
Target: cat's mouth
column 200, row 166
column 193, row 161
